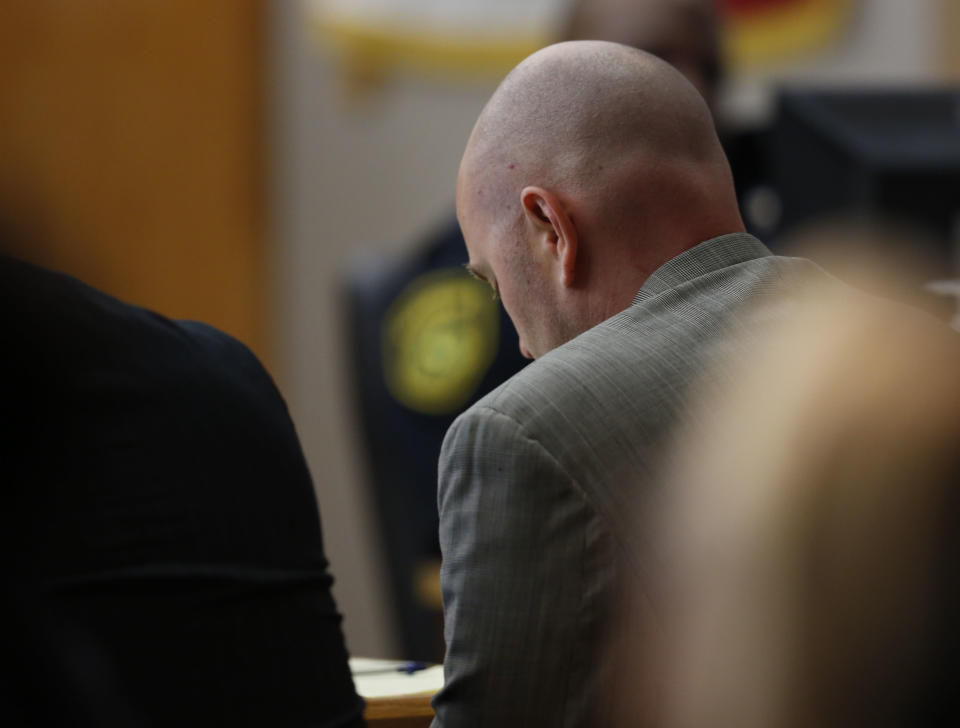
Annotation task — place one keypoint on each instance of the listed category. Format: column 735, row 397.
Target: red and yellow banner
column 761, row 32
column 485, row 38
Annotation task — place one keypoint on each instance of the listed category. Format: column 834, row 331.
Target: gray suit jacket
column 542, row 483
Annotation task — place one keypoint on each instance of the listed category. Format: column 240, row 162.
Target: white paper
column 382, row 678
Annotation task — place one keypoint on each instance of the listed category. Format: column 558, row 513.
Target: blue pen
column 408, row 668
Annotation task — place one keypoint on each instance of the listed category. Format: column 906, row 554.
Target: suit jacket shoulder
column 603, row 403
column 544, row 483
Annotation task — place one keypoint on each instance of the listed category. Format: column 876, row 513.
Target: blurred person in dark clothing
column 162, row 557
column 687, row 34
column 684, row 33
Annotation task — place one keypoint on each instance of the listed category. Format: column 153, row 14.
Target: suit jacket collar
column 706, row 257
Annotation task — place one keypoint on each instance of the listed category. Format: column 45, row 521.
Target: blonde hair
column 816, row 526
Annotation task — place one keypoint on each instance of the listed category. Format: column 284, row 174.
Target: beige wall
column 354, row 177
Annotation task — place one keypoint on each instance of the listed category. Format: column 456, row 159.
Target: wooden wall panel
column 131, row 148
column 949, row 40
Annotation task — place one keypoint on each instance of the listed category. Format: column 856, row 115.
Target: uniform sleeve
column 524, row 575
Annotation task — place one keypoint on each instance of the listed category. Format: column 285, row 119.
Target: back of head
column 623, row 139
column 597, row 97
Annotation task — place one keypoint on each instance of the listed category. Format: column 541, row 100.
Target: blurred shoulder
column 65, row 333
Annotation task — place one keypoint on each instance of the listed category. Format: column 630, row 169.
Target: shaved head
column 613, row 145
column 571, row 109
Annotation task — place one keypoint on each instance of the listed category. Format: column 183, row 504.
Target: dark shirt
column 162, row 553
column 427, row 341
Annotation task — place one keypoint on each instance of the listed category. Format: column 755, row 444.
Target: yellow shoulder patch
column 440, row 337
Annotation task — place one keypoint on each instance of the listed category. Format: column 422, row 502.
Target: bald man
column 403, row 434
column 596, row 201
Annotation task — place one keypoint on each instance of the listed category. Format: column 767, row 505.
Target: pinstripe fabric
column 542, row 481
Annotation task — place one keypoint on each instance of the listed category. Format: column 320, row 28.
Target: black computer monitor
column 888, row 154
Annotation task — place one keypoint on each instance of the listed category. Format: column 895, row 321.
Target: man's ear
column 554, row 227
